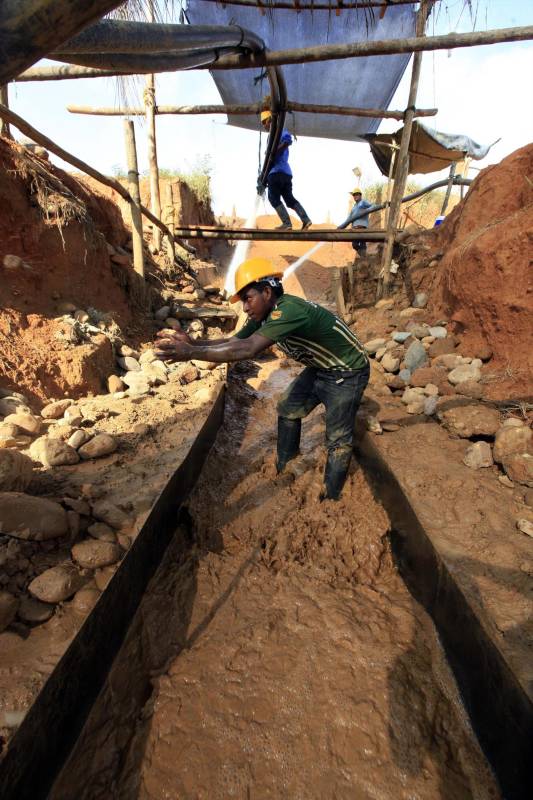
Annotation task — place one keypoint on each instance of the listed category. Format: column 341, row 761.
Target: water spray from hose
column 241, row 251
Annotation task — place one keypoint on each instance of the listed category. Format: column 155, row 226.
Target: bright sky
column 483, row 92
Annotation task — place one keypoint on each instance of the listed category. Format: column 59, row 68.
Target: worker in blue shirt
column 358, row 219
column 279, row 181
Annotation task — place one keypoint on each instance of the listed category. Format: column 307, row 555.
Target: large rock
column 400, row 336
column 438, row 332
column 109, row 513
column 471, row 389
column 465, row 372
column 78, row 438
column 147, row 356
column 511, row 440
column 478, row 455
column 115, row 384
column 16, row 471
column 56, row 409
column 93, row 554
column 102, row 532
column 12, row 405
column 186, row 372
column 155, row 372
column 374, row 345
column 137, row 382
column 447, row 360
column 413, row 396
column 8, row 609
column 56, row 584
column 415, row 356
column 27, row 423
column 128, row 364
column 421, row 300
column 519, row 468
column 34, row 612
column 441, row 347
column 470, row 420
column 390, row 363
column 103, row 444
column 85, row 600
column 53, row 452
column 34, row 518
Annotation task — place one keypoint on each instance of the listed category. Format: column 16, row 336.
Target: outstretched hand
column 173, row 345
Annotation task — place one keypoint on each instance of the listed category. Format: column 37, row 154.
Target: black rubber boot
column 300, row 210
column 336, row 471
column 283, row 214
column 289, row 431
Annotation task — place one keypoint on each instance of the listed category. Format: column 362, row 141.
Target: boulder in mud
column 27, row 423
column 33, row 518
column 421, row 300
column 56, row 584
column 56, row 409
column 128, row 352
column 85, row 600
column 525, row 526
column 115, row 384
column 103, row 444
column 470, row 420
column 464, row 372
column 374, row 345
column 16, row 471
column 511, row 440
column 102, row 532
column 8, row 609
column 12, row 405
column 390, row 363
column 128, row 364
column 415, row 356
column 519, row 468
column 137, row 382
column 412, row 395
column 93, row 554
column 447, row 360
column 155, row 372
column 478, row 455
column 103, row 576
column 53, row 452
column 34, row 612
column 186, row 373
column 471, row 389
column 425, row 375
column 78, row 438
column 109, row 513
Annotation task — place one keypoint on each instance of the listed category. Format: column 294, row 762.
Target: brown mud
column 279, row 654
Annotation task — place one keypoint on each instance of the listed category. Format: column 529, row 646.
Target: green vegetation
column 197, row 178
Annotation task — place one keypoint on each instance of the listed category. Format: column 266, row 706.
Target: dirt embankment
column 483, row 282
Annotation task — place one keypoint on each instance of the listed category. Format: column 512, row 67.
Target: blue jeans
column 341, row 393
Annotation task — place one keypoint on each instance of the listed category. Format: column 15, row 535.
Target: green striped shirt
column 310, row 334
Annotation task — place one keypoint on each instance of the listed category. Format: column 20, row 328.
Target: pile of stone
column 87, row 538
column 58, row 436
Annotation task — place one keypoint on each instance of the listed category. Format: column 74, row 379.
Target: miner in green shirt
column 336, row 364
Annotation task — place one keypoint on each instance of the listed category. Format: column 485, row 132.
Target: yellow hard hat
column 250, row 271
column 265, row 115
column 357, row 190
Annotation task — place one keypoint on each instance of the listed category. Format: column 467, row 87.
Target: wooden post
column 149, row 105
column 4, row 99
column 390, row 181
column 336, row 291
column 168, row 219
column 402, row 169
column 135, row 205
column 448, row 188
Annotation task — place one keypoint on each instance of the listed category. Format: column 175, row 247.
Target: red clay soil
column 484, row 281
column 67, row 262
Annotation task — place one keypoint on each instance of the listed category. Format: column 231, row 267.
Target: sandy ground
column 283, row 656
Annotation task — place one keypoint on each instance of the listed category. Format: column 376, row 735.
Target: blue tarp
column 361, row 82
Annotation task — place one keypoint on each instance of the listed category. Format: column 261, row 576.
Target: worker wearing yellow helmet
column 279, row 180
column 359, row 220
column 336, row 364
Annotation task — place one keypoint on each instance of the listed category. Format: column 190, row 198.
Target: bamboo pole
column 150, row 105
column 28, row 130
column 32, row 28
column 402, row 169
column 383, row 47
column 390, row 180
column 272, row 235
column 252, row 108
column 272, row 5
column 155, row 199
column 4, row 99
column 448, row 188
column 135, row 204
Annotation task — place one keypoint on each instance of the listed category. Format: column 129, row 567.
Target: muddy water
column 279, row 655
